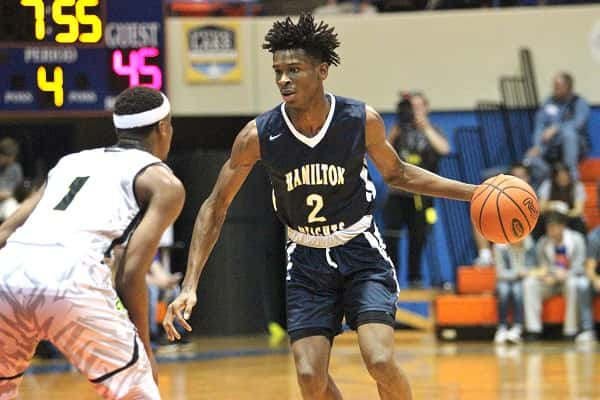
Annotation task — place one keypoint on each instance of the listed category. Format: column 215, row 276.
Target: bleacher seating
column 472, row 312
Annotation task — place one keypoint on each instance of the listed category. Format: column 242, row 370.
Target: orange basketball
column 504, row 209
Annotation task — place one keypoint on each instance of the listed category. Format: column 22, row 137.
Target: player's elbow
column 128, row 277
column 394, row 177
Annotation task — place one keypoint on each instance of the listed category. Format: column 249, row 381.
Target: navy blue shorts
column 356, row 280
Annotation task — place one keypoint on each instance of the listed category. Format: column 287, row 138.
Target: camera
column 404, row 110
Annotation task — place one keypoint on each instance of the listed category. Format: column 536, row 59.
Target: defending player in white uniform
column 54, row 284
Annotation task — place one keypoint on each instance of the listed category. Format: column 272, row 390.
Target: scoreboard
column 77, row 55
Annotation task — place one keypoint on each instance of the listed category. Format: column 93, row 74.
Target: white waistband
column 337, row 238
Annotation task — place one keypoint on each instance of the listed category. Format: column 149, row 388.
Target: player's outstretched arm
column 162, row 196
column 209, row 221
column 19, row 217
column 406, row 176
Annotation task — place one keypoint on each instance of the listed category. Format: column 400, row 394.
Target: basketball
column 504, row 209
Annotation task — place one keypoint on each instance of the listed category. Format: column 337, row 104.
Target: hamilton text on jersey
column 315, row 174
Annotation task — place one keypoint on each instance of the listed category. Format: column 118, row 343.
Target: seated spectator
column 484, row 252
column 11, row 175
column 563, row 188
column 512, row 263
column 592, row 266
column 560, row 132
column 420, row 143
column 561, row 255
column 162, row 284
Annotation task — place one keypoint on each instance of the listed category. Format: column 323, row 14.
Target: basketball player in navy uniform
column 313, row 146
column 54, row 283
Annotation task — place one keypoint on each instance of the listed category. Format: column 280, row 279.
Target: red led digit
column 150, row 70
column 131, row 70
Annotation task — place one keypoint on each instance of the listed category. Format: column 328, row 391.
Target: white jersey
column 89, row 201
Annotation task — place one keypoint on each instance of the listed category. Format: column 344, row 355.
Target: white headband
column 129, row 121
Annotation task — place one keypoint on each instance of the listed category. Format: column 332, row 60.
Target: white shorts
column 49, row 293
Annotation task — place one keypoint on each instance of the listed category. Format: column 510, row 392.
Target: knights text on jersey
column 320, row 184
column 88, row 202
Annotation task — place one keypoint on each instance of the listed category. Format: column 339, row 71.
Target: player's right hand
column 180, row 308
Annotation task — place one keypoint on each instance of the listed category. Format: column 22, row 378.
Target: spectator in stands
column 162, row 284
column 561, row 255
column 420, row 143
column 592, row 266
column 560, row 132
column 332, row 7
column 512, row 264
column 11, row 175
column 484, row 252
column 562, row 187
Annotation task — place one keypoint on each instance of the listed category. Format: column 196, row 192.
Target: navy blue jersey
column 320, row 184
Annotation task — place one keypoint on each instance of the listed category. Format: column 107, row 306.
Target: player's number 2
column 74, row 188
column 316, row 202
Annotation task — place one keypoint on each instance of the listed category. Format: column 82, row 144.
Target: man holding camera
column 420, row 143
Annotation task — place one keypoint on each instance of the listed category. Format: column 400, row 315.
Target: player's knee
column 381, row 364
column 141, row 392
column 311, row 381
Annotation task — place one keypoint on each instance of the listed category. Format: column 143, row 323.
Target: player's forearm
column 207, row 230
column 19, row 217
column 417, row 180
column 133, row 292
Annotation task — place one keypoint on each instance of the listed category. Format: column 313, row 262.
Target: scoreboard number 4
column 55, row 85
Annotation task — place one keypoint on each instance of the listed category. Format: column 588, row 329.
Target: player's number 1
column 74, row 188
column 316, row 202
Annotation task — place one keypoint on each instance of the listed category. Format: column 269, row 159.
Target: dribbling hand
column 183, row 303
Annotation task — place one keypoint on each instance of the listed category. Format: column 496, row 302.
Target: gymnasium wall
column 456, row 57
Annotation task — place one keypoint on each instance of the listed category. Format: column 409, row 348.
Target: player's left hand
column 183, row 303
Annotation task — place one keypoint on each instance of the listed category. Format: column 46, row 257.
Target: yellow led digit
column 86, row 19
column 55, row 86
column 40, row 24
column 73, row 33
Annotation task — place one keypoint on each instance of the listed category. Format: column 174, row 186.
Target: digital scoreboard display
column 77, row 55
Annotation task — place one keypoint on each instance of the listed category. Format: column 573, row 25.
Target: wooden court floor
column 249, row 369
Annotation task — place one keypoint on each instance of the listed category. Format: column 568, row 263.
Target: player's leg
column 370, row 295
column 18, row 340
column 311, row 356
column 94, row 332
column 376, row 341
column 19, row 326
column 314, row 314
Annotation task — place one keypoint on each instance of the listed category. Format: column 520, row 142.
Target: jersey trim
column 137, row 175
column 335, row 239
column 126, row 233
column 133, row 360
column 8, row 378
column 311, row 142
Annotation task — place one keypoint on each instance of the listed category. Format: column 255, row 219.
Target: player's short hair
column 9, row 147
column 317, row 40
column 136, row 100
